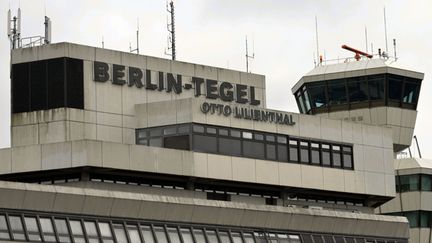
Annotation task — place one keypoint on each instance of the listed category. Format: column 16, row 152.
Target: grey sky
column 213, row 32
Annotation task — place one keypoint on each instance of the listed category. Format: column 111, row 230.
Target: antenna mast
column 366, row 39
column 47, row 24
column 171, row 31
column 316, row 35
column 385, row 30
column 14, row 29
column 137, row 40
column 247, row 56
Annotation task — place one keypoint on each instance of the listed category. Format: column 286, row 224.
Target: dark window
column 177, row 142
column 205, row 143
column 293, row 150
column 409, row 183
column 317, row 95
column 271, row 151
column 20, row 87
column 229, row 146
column 337, row 162
column 376, row 87
column 198, row 128
column 358, row 89
column 337, row 92
column 317, row 239
column 425, row 219
column 411, row 92
column 223, row 132
column 426, row 183
column 75, row 84
column 253, row 149
column 155, row 142
column 282, row 152
column 307, row 238
column 413, row 218
column 394, row 87
column 38, row 86
column 218, row 196
column 304, row 152
column 315, row 153
column 56, row 83
column 325, row 154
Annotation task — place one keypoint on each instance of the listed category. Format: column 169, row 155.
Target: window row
column 58, row 228
column 358, row 92
column 414, row 182
column 417, row 219
column 247, row 143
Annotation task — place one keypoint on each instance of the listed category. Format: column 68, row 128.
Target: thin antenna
column 418, row 147
column 47, row 24
column 137, row 40
column 9, row 29
column 366, row 39
column 394, row 49
column 247, row 56
column 171, row 31
column 103, row 43
column 372, row 48
column 316, row 35
column 385, row 30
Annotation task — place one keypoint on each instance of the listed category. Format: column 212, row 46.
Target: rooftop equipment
column 357, row 52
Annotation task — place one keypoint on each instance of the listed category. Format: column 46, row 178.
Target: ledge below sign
column 247, row 113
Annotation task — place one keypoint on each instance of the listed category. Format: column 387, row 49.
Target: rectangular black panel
column 20, row 88
column 56, row 83
column 38, row 86
column 47, row 84
column 75, row 83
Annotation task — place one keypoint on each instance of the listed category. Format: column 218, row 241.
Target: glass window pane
column 337, row 92
column 62, row 230
column 294, row 238
column 133, row 233
column 317, row 95
column 395, row 87
column 3, row 225
column 170, row 130
column 223, row 236
column 424, row 219
column 247, row 135
column 271, row 151
column 199, row 235
column 155, row 142
column 248, row 237
column 223, row 132
column 17, row 227
column 211, row 130
column 282, row 139
column 186, row 235
column 336, row 159
column 411, row 93
column 147, row 234
column 120, row 233
column 317, row 239
column 235, row 133
column 357, row 90
column 282, row 152
column 211, row 236
column 198, row 128
column 160, row 234
column 270, row 138
column 205, row 143
column 376, row 87
column 347, row 158
column 315, row 157
column 47, row 229
column 183, row 128
column 293, row 154
column 90, row 228
column 306, row 101
column 258, row 136
column 325, row 158
column 173, row 235
column 156, row 132
column 177, row 142
column 32, row 228
column 77, row 231
column 304, row 154
column 229, row 146
column 105, row 229
column 413, row 218
column 253, row 149
column 236, row 237
column 426, row 183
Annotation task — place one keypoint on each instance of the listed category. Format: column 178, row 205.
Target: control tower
column 370, row 90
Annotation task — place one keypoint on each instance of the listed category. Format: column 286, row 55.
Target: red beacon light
column 357, row 52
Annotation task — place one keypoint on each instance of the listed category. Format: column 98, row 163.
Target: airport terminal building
column 108, row 146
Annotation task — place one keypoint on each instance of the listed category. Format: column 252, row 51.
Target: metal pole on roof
column 418, row 147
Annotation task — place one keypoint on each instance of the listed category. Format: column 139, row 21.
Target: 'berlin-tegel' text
column 140, row 78
column 247, row 113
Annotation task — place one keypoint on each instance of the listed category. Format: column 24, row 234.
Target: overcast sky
column 212, row 32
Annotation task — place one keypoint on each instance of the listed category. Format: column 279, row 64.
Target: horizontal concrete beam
column 61, row 199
